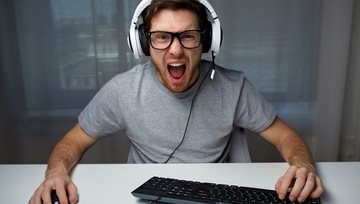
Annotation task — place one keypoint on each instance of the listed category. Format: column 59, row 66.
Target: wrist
column 309, row 166
column 53, row 171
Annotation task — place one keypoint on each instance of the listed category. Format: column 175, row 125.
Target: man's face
column 177, row 68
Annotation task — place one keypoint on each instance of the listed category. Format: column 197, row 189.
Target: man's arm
column 64, row 157
column 301, row 175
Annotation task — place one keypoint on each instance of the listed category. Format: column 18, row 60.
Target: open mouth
column 176, row 70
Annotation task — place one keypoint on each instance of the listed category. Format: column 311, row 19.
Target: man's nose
column 176, row 48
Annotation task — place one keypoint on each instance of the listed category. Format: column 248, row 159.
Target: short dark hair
column 191, row 5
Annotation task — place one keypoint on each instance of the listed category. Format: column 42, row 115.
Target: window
column 71, row 48
column 275, row 43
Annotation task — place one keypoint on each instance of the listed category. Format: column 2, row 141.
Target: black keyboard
column 168, row 190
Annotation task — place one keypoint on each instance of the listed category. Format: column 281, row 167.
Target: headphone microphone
column 138, row 41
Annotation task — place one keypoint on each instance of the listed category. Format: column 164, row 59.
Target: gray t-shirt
column 154, row 118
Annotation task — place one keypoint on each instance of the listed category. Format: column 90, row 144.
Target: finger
column 319, row 189
column 72, row 193
column 278, row 184
column 286, row 182
column 61, row 193
column 308, row 187
column 45, row 195
column 301, row 179
column 36, row 197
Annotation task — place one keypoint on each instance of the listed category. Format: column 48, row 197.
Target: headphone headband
column 137, row 43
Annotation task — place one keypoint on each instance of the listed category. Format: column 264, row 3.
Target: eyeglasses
column 161, row 40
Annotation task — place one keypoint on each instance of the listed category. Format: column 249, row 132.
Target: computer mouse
column 54, row 198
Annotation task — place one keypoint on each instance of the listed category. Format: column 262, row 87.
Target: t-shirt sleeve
column 98, row 118
column 253, row 111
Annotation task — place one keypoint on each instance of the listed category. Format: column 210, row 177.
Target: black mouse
column 54, row 198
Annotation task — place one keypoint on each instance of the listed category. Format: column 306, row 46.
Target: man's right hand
column 65, row 190
column 63, row 158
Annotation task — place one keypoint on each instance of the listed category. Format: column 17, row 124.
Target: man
column 173, row 111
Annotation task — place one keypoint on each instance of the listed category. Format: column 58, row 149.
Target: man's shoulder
column 133, row 73
column 138, row 69
column 128, row 80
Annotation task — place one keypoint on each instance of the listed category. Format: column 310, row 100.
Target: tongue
column 176, row 72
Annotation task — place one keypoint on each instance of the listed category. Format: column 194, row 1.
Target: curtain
column 350, row 131
column 302, row 55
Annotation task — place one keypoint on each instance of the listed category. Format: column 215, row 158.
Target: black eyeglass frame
column 173, row 35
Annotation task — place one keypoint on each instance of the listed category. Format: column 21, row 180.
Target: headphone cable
column 212, row 69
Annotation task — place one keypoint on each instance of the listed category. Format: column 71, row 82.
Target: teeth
column 175, row 64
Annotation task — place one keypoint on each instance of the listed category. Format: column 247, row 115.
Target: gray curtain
column 303, row 55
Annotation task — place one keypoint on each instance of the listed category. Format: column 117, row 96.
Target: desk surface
column 113, row 183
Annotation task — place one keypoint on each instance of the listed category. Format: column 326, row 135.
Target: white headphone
column 136, row 37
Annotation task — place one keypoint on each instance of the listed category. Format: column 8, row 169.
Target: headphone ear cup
column 134, row 42
column 144, row 42
column 217, row 37
column 207, row 37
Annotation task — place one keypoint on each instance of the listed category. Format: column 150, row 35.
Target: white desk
column 113, row 183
